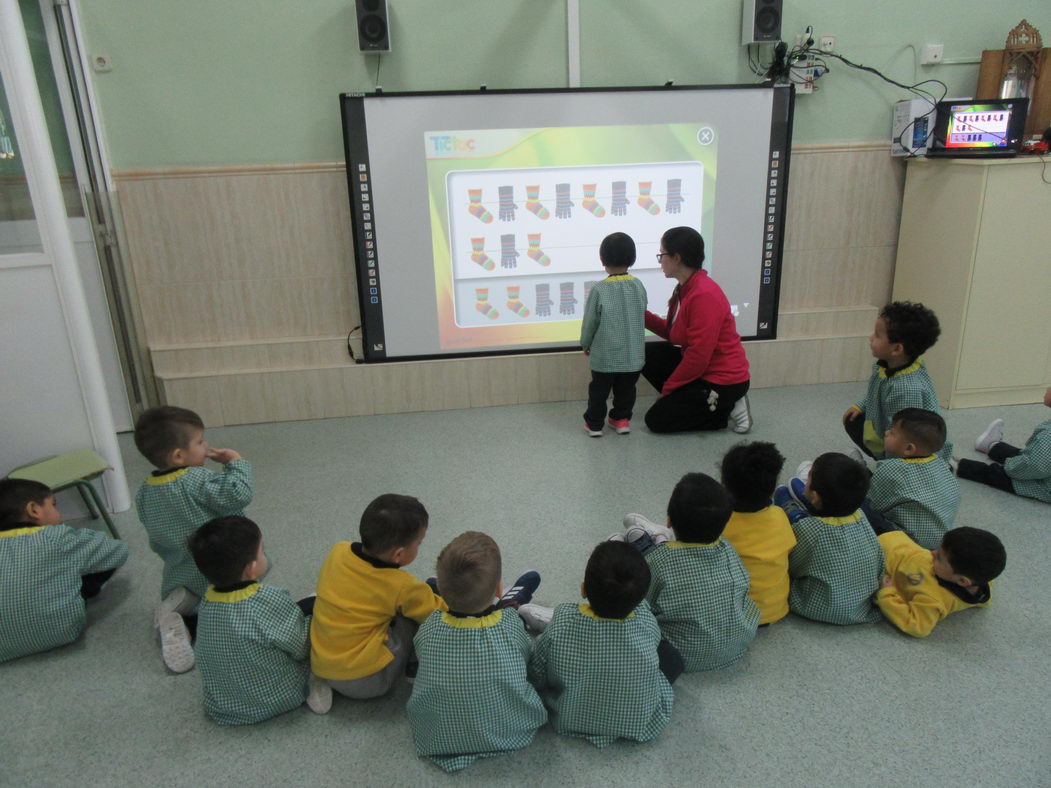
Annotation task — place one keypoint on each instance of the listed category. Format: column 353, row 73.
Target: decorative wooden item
column 1022, row 69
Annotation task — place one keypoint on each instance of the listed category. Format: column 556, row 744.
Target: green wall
column 200, row 82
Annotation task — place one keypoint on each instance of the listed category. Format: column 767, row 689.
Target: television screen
column 979, row 128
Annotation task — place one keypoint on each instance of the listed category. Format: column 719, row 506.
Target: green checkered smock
column 40, row 575
column 835, row 567
column 920, row 495
column 889, row 392
column 699, row 595
column 601, row 677
column 471, row 698
column 174, row 505
column 252, row 651
column 1030, row 471
column 613, row 328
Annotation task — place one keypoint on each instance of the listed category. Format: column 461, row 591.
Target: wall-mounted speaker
column 373, row 30
column 760, row 21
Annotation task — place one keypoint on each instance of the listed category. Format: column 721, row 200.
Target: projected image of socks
column 674, row 202
column 590, row 204
column 587, row 288
column 566, row 301
column 507, row 207
column 481, row 303
column 543, row 300
column 619, row 206
column 479, row 256
column 563, row 205
column 533, row 204
column 535, row 252
column 508, row 255
column 645, row 201
column 478, row 211
column 514, row 302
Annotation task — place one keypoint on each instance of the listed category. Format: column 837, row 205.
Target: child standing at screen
column 612, row 335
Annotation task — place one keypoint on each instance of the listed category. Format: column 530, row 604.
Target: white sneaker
column 741, row 416
column 176, row 650
column 857, row 455
column 319, row 697
column 635, row 526
column 803, row 471
column 617, row 537
column 994, row 433
column 536, row 617
column 173, row 603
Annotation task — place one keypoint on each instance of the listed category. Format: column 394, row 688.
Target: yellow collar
column 929, row 458
column 22, row 531
column 620, row 278
column 676, row 545
column 168, row 477
column 240, row 595
column 585, row 608
column 911, row 368
column 473, row 622
column 850, row 518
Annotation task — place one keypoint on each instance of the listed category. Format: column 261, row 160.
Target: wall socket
column 932, row 53
column 828, row 43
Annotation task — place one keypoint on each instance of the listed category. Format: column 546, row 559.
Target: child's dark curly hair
column 749, row 474
column 913, row 325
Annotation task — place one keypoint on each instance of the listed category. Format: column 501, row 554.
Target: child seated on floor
column 601, row 665
column 1024, row 471
column 252, row 639
column 922, row 587
column 472, row 698
column 699, row 587
column 368, row 606
column 177, row 499
column 903, row 333
column 47, row 570
column 837, row 563
column 913, row 490
column 758, row 530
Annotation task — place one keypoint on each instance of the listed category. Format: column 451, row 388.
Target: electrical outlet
column 932, row 53
column 101, row 63
column 828, row 43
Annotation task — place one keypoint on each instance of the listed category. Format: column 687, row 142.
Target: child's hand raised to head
column 223, row 455
column 851, row 414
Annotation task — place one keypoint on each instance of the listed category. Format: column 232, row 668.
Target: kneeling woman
column 701, row 371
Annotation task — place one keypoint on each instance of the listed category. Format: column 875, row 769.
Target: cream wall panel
column 492, row 381
column 837, row 321
column 309, row 353
column 837, row 277
column 795, row 362
column 358, row 397
column 203, row 395
column 209, row 359
column 245, row 398
column 304, row 394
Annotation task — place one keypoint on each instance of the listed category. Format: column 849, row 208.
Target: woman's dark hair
column 685, row 242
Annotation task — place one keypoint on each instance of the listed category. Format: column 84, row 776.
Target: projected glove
column 674, row 203
column 563, row 205
column 508, row 255
column 566, row 300
column 619, row 206
column 543, row 300
column 506, row 211
column 587, row 288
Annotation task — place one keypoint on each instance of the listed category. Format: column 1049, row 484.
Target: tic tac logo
column 449, row 144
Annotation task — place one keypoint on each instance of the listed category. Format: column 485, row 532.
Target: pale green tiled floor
column 809, row 705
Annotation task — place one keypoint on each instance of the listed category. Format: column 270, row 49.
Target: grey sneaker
column 176, row 650
column 536, row 617
column 994, row 433
column 857, row 455
column 741, row 416
column 636, row 526
column 319, row 697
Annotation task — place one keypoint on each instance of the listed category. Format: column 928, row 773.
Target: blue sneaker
column 794, row 510
column 521, row 592
column 796, row 487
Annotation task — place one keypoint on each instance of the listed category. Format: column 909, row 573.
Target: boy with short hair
column 471, row 698
column 904, row 332
column 252, row 639
column 922, row 587
column 699, row 587
column 612, row 334
column 368, row 606
column 47, row 570
column 914, row 489
column 178, row 498
column 1025, row 471
column 598, row 663
column 758, row 530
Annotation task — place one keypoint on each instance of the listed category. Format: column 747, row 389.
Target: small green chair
column 75, row 469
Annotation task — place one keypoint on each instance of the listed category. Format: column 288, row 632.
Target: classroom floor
column 810, row 704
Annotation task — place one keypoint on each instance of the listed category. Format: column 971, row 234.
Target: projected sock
column 478, row 211
column 533, row 202
column 563, row 205
column 543, row 300
column 479, row 256
column 514, row 302
column 645, row 202
column 481, row 303
column 508, row 255
column 566, row 300
column 619, row 207
column 587, row 288
column 534, row 250
column 590, row 204
column 674, row 202
column 507, row 207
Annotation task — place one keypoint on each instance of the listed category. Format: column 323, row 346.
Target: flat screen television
column 979, row 129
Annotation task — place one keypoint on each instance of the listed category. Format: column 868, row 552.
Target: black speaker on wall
column 760, row 21
column 373, row 31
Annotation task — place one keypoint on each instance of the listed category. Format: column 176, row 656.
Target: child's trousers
column 399, row 642
column 992, row 473
column 622, row 384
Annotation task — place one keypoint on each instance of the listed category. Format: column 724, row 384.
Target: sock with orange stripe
column 514, row 301
column 476, row 208
column 481, row 303
column 479, row 256
column 645, row 201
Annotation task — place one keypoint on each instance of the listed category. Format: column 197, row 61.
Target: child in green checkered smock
column 47, row 570
column 903, row 332
column 837, row 563
column 597, row 664
column 914, row 490
column 253, row 642
column 471, row 698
